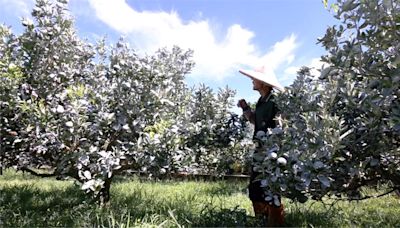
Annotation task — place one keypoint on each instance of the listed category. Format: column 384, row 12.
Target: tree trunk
column 1, row 156
column 104, row 194
column 396, row 181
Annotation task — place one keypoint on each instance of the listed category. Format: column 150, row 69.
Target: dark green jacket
column 265, row 113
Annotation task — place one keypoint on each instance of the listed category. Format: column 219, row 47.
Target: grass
column 27, row 201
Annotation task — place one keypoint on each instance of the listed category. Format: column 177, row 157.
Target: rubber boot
column 276, row 215
column 260, row 209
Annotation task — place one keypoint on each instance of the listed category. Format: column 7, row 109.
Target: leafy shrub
column 341, row 131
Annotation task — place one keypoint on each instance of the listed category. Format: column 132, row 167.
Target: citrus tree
column 214, row 136
column 90, row 112
column 341, row 130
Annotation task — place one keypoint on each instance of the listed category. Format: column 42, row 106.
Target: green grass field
column 27, row 201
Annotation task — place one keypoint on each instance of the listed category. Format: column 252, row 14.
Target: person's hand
column 242, row 104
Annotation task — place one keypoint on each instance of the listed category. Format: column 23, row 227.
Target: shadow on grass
column 236, row 217
column 227, row 188
column 194, row 211
column 36, row 206
column 186, row 211
column 28, row 206
column 311, row 218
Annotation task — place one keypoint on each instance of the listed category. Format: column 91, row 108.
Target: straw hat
column 264, row 75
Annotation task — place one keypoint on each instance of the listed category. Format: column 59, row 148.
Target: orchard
column 91, row 112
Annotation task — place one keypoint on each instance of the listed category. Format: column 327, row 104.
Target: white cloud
column 281, row 52
column 150, row 30
column 18, row 7
column 315, row 66
column 290, row 72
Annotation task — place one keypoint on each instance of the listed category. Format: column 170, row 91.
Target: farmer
column 262, row 118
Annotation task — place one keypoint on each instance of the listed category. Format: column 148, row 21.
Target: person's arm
column 247, row 112
column 250, row 116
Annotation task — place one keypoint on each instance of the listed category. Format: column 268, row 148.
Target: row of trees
column 91, row 112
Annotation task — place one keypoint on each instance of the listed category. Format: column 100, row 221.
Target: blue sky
column 226, row 35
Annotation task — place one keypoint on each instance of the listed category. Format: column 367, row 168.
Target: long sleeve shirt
column 263, row 116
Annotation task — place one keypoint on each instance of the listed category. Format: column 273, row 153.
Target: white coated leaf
column 324, row 180
column 69, row 124
column 103, row 154
column 272, row 155
column 60, row 109
column 318, row 165
column 88, row 184
column 264, row 183
column 167, row 101
column 87, row 175
column 277, row 202
column 268, row 198
column 282, row 161
column 260, row 134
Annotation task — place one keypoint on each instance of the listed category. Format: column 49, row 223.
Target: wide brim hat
column 262, row 74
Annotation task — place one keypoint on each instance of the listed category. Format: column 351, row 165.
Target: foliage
column 92, row 111
column 213, row 134
column 341, row 131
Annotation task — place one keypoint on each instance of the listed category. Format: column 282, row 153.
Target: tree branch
column 368, row 197
column 38, row 174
